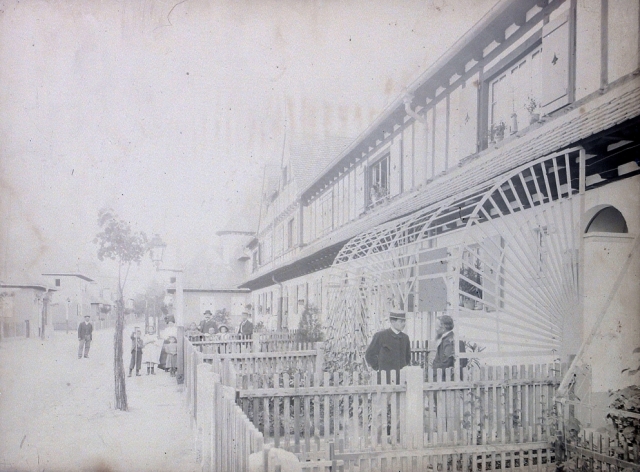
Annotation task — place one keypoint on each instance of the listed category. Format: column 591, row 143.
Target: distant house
column 23, row 310
column 72, row 299
column 211, row 279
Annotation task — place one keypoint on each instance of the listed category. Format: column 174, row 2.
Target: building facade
column 73, row 298
column 24, row 310
column 502, row 189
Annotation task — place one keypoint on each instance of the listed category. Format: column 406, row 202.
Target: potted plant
column 500, row 127
column 469, row 288
column 531, row 106
column 496, row 132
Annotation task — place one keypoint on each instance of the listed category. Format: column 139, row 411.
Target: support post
column 412, row 427
column 319, row 358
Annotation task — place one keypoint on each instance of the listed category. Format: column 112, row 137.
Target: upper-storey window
column 57, row 282
column 533, row 80
column 290, row 233
column 378, row 180
column 514, row 95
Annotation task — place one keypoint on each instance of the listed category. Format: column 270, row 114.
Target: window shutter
column 395, row 167
column 555, row 64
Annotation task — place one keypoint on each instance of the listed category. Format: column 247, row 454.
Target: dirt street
column 56, row 411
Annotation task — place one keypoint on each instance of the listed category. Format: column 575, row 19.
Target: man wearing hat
column 390, row 349
column 85, row 332
column 207, row 324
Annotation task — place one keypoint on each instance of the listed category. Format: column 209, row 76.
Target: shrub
column 310, row 328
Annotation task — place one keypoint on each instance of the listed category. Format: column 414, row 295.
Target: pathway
column 56, row 411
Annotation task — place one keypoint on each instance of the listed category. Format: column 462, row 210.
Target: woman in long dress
column 171, row 330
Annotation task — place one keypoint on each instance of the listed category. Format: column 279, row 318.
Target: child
column 151, row 353
column 136, row 351
column 172, row 355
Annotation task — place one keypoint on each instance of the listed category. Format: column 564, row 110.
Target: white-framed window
column 516, row 93
column 378, row 182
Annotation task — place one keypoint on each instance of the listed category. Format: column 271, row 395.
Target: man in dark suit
column 246, row 326
column 207, row 324
column 390, row 349
column 85, row 335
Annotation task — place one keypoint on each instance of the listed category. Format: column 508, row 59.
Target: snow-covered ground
column 56, row 411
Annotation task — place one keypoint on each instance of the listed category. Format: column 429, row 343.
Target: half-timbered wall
column 570, row 56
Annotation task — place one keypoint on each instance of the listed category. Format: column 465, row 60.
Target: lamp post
column 68, row 309
column 156, row 248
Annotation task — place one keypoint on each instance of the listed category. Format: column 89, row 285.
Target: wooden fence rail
column 591, row 450
column 494, row 406
column 250, row 370
column 496, row 418
column 247, row 345
column 225, row 437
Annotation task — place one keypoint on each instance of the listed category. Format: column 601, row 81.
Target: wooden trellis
column 503, row 255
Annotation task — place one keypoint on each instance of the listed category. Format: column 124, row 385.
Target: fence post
column 412, row 425
column 204, row 420
column 319, row 358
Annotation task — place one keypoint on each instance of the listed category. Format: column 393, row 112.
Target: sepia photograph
column 319, row 235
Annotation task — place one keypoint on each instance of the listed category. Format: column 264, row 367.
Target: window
column 254, row 261
column 514, row 95
column 379, row 181
column 608, row 220
column 326, row 213
column 290, row 234
column 57, row 282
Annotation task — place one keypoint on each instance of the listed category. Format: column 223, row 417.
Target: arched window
column 607, row 220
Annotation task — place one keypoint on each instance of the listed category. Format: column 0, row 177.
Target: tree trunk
column 118, row 363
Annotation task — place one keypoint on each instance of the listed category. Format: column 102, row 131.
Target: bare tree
column 116, row 241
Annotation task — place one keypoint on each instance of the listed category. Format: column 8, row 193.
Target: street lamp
column 68, row 309
column 156, row 249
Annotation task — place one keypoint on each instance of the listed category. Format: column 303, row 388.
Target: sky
column 167, row 111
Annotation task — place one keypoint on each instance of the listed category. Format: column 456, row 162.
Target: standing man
column 390, row 349
column 208, row 323
column 246, row 326
column 85, row 335
column 445, row 352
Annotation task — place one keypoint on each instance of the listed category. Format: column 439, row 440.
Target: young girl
column 172, row 355
column 151, row 353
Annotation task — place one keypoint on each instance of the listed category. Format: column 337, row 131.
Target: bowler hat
column 208, row 312
column 87, row 316
column 397, row 315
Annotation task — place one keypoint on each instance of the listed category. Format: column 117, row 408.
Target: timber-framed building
column 502, row 188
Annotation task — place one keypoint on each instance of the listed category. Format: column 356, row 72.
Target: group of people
column 209, row 329
column 153, row 350
column 390, row 349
